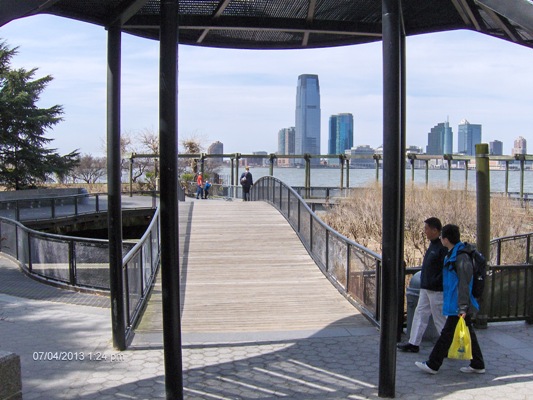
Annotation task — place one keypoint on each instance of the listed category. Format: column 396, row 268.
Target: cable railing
column 352, row 268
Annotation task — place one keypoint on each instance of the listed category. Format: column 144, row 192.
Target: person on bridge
column 199, row 186
column 430, row 298
column 246, row 182
column 207, row 186
column 458, row 303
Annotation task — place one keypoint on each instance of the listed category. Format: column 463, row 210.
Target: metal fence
column 352, row 268
column 53, row 207
column 76, row 262
column 509, row 288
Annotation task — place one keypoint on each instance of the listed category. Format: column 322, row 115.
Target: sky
column 244, row 97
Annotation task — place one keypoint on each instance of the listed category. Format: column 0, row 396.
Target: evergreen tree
column 25, row 162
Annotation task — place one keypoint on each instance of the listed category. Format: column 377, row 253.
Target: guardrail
column 352, row 268
column 509, row 288
column 81, row 263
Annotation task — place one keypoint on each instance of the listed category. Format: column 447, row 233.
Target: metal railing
column 53, row 207
column 82, row 263
column 140, row 267
column 509, row 288
column 352, row 268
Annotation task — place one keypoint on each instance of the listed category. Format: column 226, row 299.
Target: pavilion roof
column 289, row 24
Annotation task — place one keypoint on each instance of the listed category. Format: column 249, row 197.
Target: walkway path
column 327, row 357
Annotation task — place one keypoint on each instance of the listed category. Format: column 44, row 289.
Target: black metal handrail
column 83, row 263
column 352, row 268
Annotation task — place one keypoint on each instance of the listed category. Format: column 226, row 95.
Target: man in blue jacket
column 458, row 303
column 430, row 296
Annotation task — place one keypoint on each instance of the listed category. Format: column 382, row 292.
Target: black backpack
column 479, row 263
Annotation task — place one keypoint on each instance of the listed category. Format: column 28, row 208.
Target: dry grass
column 359, row 217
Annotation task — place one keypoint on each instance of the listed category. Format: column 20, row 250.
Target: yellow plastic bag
column 461, row 347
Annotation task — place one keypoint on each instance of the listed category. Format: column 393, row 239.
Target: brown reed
column 359, row 217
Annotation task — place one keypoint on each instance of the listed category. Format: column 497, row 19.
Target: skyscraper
column 520, row 146
column 496, row 148
column 468, row 136
column 340, row 134
column 286, row 146
column 440, row 139
column 307, row 130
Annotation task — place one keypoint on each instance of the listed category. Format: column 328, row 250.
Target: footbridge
column 246, row 274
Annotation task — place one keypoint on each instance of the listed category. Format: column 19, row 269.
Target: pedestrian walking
column 430, row 298
column 458, row 303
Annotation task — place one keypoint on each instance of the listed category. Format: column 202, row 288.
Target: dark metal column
column 168, row 143
column 401, row 271
column 483, row 216
column 114, row 214
column 393, row 175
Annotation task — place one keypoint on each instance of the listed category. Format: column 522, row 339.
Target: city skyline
column 243, row 97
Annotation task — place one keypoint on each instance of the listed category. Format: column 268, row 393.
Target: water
column 324, row 177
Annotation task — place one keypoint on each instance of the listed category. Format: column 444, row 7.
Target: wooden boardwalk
column 245, row 270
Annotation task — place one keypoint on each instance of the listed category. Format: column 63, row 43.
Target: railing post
column 53, row 208
column 327, row 251
column 131, row 175
column 72, row 262
column 341, row 162
column 466, row 175
column 347, row 173
column 483, row 215
column 448, row 157
column 271, row 170
column 427, row 172
column 376, row 157
column 97, row 202
column 506, row 178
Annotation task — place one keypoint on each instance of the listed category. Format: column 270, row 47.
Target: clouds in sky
column 243, row 98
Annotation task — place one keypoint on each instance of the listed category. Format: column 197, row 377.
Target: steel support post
column 347, row 173
column 393, row 176
column 483, row 215
column 168, row 143
column 114, row 214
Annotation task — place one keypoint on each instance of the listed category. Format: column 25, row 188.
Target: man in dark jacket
column 246, row 182
column 458, row 303
column 430, row 297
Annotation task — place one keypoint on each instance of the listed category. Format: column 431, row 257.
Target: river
column 324, row 177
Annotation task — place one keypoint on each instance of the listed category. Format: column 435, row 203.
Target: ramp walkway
column 246, row 275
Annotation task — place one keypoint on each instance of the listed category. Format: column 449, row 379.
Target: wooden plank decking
column 245, row 270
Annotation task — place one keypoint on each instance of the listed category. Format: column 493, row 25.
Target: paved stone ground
column 66, row 353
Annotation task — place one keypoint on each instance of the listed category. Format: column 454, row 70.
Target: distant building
column 414, row 150
column 520, row 146
column 440, row 139
column 307, row 129
column 216, row 148
column 340, row 135
column 257, row 161
column 468, row 136
column 286, row 146
column 496, row 148
column 361, row 157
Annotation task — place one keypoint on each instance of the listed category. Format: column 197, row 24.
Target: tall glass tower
column 307, row 132
column 469, row 135
column 440, row 139
column 340, row 134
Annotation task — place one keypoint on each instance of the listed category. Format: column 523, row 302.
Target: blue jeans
column 199, row 192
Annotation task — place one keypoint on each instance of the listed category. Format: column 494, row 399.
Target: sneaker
column 470, row 370
column 424, row 367
column 411, row 348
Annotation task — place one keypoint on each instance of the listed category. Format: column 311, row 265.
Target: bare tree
column 90, row 169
